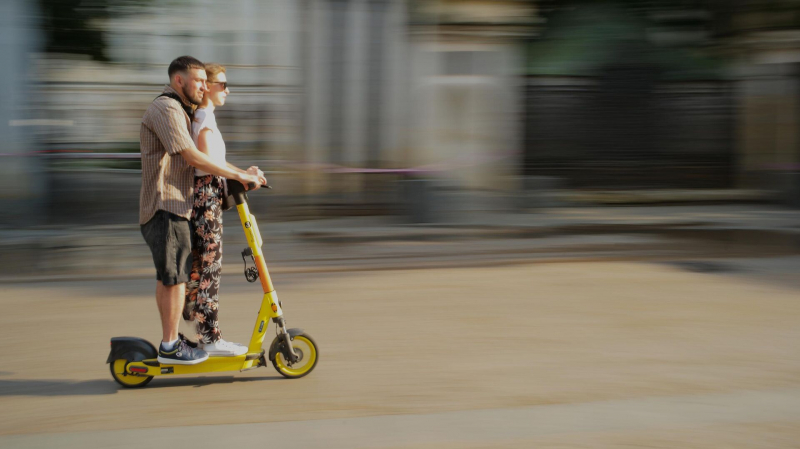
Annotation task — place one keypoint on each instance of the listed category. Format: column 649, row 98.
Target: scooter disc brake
column 289, row 361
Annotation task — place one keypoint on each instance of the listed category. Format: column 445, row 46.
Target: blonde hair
column 213, row 69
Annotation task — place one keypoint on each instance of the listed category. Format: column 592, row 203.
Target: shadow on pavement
column 21, row 387
column 198, row 382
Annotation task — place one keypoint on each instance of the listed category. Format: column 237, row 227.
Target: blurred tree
column 721, row 17
column 75, row 26
column 70, row 26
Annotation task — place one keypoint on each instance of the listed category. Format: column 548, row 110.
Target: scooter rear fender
column 132, row 349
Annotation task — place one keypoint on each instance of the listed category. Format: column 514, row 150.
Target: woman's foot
column 222, row 348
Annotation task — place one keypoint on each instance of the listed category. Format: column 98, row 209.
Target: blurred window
column 225, row 47
column 180, row 42
column 264, row 48
column 129, row 46
column 470, row 63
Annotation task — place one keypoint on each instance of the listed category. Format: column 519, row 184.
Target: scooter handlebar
column 238, row 191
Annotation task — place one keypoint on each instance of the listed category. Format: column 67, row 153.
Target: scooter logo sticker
column 168, row 370
column 247, row 224
column 261, row 327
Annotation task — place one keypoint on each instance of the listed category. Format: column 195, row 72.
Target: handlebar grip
column 237, row 190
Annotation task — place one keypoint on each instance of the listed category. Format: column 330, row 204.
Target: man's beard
column 187, row 94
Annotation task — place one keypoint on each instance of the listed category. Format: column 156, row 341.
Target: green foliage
column 584, row 38
column 73, row 26
column 69, row 27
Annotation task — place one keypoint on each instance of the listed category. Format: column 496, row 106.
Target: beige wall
column 768, row 121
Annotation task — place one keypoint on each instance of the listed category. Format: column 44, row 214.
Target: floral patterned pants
column 202, row 291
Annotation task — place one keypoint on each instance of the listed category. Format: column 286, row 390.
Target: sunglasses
column 224, row 83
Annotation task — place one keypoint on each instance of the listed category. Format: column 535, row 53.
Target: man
column 169, row 157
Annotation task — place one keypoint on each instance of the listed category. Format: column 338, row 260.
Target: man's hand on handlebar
column 254, row 170
column 252, row 182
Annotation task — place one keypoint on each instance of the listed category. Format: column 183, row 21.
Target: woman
column 202, row 297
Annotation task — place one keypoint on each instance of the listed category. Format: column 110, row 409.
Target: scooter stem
column 250, row 227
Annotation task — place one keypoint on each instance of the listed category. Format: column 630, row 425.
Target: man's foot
column 224, row 348
column 181, row 354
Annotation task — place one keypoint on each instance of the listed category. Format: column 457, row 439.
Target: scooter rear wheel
column 127, row 380
column 307, row 349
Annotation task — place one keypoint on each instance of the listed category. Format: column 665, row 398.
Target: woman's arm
column 202, row 145
column 201, row 160
column 203, row 140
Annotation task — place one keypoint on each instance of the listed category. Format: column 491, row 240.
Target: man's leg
column 168, row 237
column 170, row 299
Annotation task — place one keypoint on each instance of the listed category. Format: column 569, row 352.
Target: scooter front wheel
column 305, row 348
column 127, row 380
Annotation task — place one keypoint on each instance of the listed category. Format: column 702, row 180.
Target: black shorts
column 170, row 240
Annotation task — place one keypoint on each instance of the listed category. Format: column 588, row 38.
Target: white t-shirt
column 203, row 119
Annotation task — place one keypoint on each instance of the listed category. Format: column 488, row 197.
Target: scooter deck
column 152, row 367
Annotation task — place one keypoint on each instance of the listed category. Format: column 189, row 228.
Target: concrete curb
column 353, row 244
column 150, row 274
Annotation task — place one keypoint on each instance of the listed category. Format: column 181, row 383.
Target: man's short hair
column 183, row 64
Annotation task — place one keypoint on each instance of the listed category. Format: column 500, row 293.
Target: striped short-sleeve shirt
column 167, row 180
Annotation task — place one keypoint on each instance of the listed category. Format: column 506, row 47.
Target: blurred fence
column 103, row 188
column 620, row 133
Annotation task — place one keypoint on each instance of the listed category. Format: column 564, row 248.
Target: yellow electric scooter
column 293, row 353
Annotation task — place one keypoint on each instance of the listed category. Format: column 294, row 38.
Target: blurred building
column 332, row 90
column 21, row 176
column 763, row 40
column 429, row 88
column 257, row 41
column 465, row 85
column 356, row 72
column 347, row 97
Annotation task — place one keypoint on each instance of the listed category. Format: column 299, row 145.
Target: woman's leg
column 207, row 267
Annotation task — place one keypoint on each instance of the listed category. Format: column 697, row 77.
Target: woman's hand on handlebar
column 254, row 170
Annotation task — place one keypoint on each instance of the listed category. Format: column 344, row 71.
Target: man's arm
column 168, row 122
column 253, row 170
column 235, row 168
column 202, row 145
column 198, row 159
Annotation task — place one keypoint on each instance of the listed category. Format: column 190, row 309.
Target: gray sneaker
column 181, row 354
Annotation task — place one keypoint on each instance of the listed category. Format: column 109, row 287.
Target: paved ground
column 623, row 354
